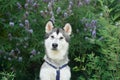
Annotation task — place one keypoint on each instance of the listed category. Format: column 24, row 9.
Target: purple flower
column 80, row 3
column 87, row 1
column 58, row 10
column 71, row 3
column 10, row 36
column 26, row 6
column 30, row 31
column 12, row 52
column 87, row 25
column 27, row 24
column 65, row 15
column 26, row 13
column 93, row 23
column 24, row 16
column 69, row 7
column 20, row 59
column 30, row 1
column 19, row 5
column 52, row 19
column 17, row 51
column 50, row 6
column 21, row 25
column 94, row 33
column 11, row 24
column 52, row 1
column 35, row 5
column 33, row 52
column 51, row 13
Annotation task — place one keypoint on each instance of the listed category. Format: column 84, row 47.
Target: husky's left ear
column 49, row 26
column 68, row 28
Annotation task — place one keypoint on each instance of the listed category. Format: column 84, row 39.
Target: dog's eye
column 61, row 38
column 52, row 36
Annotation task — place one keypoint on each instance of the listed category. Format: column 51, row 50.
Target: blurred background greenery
column 95, row 42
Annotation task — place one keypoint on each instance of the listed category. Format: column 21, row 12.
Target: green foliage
column 95, row 42
column 7, row 76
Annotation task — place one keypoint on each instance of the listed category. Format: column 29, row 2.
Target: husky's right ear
column 49, row 26
column 68, row 28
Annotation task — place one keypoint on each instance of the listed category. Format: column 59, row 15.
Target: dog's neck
column 55, row 62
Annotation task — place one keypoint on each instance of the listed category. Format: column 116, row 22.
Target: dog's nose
column 54, row 45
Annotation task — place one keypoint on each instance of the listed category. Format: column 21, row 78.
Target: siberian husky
column 56, row 58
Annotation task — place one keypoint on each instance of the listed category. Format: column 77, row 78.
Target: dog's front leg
column 65, row 73
column 44, row 74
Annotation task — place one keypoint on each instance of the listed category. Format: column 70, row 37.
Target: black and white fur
column 56, row 45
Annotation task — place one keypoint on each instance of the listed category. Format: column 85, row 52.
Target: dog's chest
column 52, row 72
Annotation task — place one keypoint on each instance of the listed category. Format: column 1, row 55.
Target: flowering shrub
column 95, row 43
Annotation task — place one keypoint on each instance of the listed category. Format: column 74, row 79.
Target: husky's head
column 57, row 40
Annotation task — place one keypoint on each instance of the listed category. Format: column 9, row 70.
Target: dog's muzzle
column 54, row 46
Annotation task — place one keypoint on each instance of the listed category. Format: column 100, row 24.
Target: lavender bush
column 95, row 43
